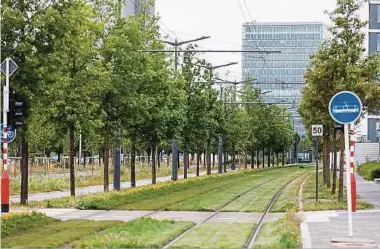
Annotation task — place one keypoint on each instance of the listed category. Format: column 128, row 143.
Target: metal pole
column 116, row 166
column 5, row 120
column 348, row 180
column 175, row 156
column 220, row 145
column 316, row 168
column 80, row 148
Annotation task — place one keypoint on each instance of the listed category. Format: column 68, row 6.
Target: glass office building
column 133, row 7
column 281, row 73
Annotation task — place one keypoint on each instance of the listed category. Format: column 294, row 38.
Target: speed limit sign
column 317, row 130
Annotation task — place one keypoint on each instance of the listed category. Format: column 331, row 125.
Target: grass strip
column 56, row 234
column 216, row 235
column 326, row 200
column 13, row 224
column 141, row 233
column 284, row 233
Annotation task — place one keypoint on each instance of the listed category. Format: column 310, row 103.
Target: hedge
column 369, row 171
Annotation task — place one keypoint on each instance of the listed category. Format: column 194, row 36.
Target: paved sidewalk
column 318, row 228
column 98, row 188
column 369, row 191
column 196, row 217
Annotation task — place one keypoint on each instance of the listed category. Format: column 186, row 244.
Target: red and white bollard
column 5, row 175
column 352, row 168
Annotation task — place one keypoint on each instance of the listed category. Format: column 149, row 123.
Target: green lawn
column 42, row 232
column 216, row 235
column 326, row 200
column 284, row 233
column 141, row 233
column 204, row 193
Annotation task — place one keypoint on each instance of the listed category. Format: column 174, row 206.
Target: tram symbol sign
column 11, row 133
column 345, row 107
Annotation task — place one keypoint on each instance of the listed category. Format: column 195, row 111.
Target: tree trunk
column 148, row 153
column 225, row 162
column 277, row 158
column 341, row 171
column 72, row 155
column 198, row 161
column 263, row 158
column 168, row 161
column 153, row 164
column 84, row 159
column 106, row 163
column 185, row 164
column 258, row 159
column 252, row 158
column 333, row 189
column 59, row 155
column 158, row 156
column 246, row 159
column 208, row 157
column 283, row 157
column 269, row 151
column 133, row 163
column 204, row 158
column 213, row 160
column 100, row 158
column 328, row 170
column 24, row 171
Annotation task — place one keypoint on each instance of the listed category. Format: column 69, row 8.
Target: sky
column 223, row 19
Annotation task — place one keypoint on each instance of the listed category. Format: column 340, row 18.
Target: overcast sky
column 222, row 20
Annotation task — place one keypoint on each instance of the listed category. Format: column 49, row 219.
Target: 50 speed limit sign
column 317, row 130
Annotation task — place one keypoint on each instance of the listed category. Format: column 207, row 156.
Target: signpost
column 7, row 67
column 316, row 131
column 345, row 108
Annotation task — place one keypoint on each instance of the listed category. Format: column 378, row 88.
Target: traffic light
column 16, row 110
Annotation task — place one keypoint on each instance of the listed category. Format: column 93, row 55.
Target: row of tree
column 81, row 70
column 339, row 65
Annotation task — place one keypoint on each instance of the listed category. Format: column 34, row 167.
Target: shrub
column 369, row 171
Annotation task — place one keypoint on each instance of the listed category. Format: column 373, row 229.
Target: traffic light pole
column 5, row 175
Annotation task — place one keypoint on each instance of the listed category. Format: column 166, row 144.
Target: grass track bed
column 216, row 235
column 191, row 192
column 141, row 233
column 258, row 199
column 284, row 233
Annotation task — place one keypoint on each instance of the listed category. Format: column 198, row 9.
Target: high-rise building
column 368, row 128
column 374, row 27
column 134, row 7
column 282, row 74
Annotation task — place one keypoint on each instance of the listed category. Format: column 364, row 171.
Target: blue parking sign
column 345, row 107
column 11, row 133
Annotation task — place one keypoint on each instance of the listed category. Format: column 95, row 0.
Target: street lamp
column 176, row 44
column 175, row 161
column 220, row 144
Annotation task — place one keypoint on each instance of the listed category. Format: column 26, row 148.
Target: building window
column 378, row 42
column 378, row 13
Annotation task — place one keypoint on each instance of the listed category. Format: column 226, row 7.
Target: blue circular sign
column 11, row 133
column 345, row 107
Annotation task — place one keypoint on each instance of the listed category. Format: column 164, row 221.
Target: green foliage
column 339, row 65
column 369, row 171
